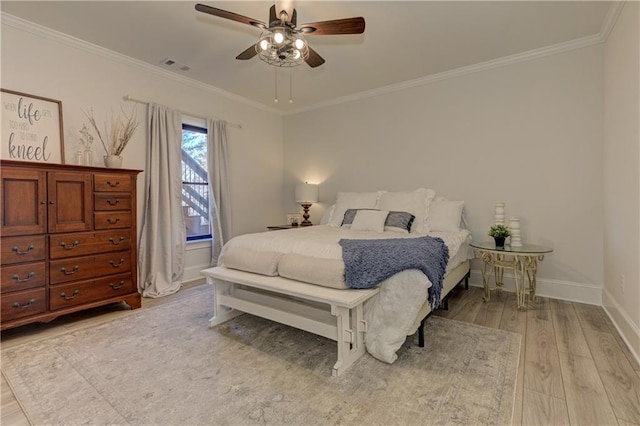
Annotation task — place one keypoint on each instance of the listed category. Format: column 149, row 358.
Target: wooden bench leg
column 351, row 328
column 221, row 313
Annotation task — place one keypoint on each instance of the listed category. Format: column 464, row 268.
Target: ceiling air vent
column 174, row 65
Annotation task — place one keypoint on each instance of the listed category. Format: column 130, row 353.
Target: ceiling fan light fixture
column 278, row 37
column 290, row 51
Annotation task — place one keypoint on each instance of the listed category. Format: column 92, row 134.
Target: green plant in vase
column 499, row 233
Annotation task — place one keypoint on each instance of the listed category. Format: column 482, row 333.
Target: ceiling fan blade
column 248, row 54
column 337, row 26
column 314, row 60
column 230, row 15
column 272, row 15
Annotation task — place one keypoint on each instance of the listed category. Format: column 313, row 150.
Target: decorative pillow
column 352, row 200
column 399, row 222
column 445, row 215
column 395, row 222
column 369, row 220
column 415, row 202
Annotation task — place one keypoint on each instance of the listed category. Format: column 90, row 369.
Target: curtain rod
column 140, row 101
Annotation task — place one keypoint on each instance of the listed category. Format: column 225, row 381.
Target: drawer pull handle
column 76, row 268
column 75, row 293
column 116, row 265
column 114, row 243
column 17, row 250
column 74, row 245
column 19, row 306
column 116, row 286
column 30, row 275
column 112, row 202
column 113, row 185
column 113, row 221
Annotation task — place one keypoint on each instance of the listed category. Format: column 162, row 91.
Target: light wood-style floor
column 574, row 367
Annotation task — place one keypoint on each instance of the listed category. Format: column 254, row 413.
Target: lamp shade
column 306, row 193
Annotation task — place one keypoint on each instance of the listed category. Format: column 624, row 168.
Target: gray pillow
column 396, row 221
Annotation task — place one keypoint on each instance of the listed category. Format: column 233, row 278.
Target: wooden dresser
column 68, row 240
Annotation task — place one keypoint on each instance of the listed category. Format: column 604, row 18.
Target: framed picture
column 294, row 219
column 31, row 128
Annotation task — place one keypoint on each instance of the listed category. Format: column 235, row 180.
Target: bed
column 299, row 277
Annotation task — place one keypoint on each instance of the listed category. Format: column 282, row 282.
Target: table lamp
column 306, row 194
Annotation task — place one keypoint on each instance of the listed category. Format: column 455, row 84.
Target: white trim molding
column 555, row 289
column 56, row 36
column 629, row 331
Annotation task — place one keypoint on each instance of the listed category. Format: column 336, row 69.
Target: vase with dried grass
column 118, row 134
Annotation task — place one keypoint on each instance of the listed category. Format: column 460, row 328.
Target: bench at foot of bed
column 334, row 314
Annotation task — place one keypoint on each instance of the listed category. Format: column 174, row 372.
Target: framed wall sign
column 31, row 128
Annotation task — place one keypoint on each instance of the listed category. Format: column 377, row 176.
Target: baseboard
column 192, row 274
column 555, row 289
column 629, row 332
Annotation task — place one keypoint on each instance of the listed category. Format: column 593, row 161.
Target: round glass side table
column 523, row 260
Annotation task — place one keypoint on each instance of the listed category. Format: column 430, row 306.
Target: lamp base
column 305, row 216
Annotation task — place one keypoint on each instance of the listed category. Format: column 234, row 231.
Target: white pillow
column 445, row 215
column 327, row 214
column 369, row 220
column 415, row 202
column 352, row 200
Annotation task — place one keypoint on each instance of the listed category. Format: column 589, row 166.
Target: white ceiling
column 403, row 41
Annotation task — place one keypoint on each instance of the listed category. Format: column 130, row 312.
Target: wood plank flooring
column 574, row 368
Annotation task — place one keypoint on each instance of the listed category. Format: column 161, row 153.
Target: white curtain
column 163, row 237
column 219, row 196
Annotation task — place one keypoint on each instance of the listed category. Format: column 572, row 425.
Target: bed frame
column 331, row 313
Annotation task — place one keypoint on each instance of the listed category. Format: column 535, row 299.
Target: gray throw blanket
column 368, row 262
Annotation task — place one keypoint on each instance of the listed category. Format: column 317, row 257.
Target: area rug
column 164, row 366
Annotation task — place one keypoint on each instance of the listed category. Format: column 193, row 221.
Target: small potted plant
column 499, row 233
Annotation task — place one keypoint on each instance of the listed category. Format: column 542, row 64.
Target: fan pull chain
column 290, row 85
column 276, row 74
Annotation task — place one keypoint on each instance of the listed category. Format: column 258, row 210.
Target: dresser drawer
column 112, row 201
column 22, row 249
column 111, row 183
column 23, row 277
column 23, row 304
column 78, row 293
column 112, row 220
column 86, row 243
column 89, row 267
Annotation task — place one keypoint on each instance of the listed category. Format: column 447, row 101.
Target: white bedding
column 391, row 314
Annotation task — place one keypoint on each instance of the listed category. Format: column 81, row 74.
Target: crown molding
column 53, row 35
column 607, row 26
column 458, row 72
column 610, row 20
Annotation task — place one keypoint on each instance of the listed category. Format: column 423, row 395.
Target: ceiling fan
column 281, row 43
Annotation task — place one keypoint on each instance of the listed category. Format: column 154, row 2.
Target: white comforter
column 391, row 314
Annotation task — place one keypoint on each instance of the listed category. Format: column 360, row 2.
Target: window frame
column 203, row 130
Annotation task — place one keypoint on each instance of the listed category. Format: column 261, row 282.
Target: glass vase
column 88, row 157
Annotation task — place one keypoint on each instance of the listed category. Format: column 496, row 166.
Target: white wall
column 528, row 134
column 621, row 155
column 41, row 62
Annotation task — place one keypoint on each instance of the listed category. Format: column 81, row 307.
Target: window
column 195, row 188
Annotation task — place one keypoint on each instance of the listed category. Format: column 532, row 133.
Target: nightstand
column 277, row 227
column 523, row 260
